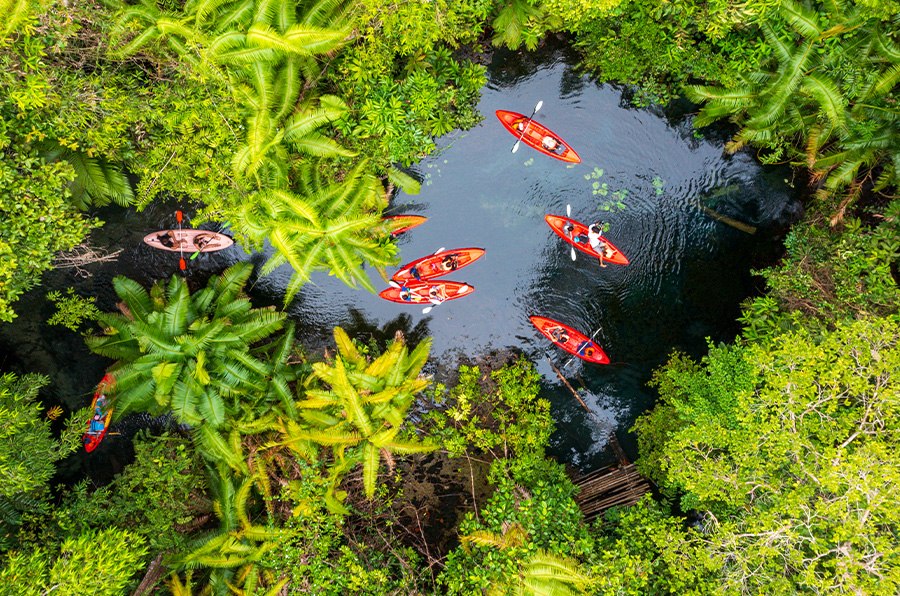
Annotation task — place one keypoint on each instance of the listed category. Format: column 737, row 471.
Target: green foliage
column 71, row 309
column 826, row 101
column 503, row 416
column 101, row 562
column 437, row 95
column 188, row 354
column 35, row 223
column 359, row 409
column 401, row 80
column 157, row 497
column 661, row 46
column 529, row 537
column 799, row 483
column 644, row 549
column 26, row 473
column 65, row 121
column 830, row 274
column 335, row 226
column 318, row 557
column 291, row 183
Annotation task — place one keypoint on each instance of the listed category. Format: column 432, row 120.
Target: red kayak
column 573, row 342
column 101, row 413
column 535, row 135
column 405, row 222
column 558, row 223
column 438, row 264
column 427, row 292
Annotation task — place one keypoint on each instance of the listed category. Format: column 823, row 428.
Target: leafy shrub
column 503, row 417
column 100, row 562
column 157, row 497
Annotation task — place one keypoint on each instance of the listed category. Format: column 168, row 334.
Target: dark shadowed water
column 643, row 172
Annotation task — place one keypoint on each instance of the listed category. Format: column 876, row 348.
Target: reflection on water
column 648, row 176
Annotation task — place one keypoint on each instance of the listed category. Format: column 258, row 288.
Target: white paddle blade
column 538, row 106
column 515, row 147
column 441, row 249
column 394, row 284
column 573, row 253
column 463, row 290
column 427, row 310
column 568, row 210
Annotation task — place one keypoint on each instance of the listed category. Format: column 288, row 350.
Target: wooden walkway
column 609, row 487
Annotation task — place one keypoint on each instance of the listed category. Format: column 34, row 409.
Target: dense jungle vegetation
column 775, row 456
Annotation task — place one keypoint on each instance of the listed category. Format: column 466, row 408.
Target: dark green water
column 687, row 276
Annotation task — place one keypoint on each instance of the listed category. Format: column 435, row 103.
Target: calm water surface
column 642, row 172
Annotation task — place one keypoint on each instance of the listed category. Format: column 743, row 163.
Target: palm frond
column 830, row 99
column 216, row 448
column 782, row 50
column 231, row 282
column 802, row 19
column 410, row 185
column 286, row 88
column 134, row 296
column 15, row 13
column 318, row 145
column 371, row 462
column 772, row 104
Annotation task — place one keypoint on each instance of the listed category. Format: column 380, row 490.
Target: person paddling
column 595, row 239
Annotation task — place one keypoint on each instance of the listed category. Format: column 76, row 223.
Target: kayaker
column 100, row 405
column 405, row 294
column 569, row 229
column 96, row 425
column 167, row 239
column 202, row 240
column 586, row 348
column 559, row 335
column 436, row 294
column 450, row 262
column 595, row 239
column 553, row 144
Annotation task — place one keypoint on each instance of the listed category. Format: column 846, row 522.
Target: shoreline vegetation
column 774, row 456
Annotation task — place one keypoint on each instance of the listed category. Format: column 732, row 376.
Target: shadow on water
column 644, row 172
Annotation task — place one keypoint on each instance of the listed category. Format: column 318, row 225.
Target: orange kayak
column 535, row 134
column 558, row 223
column 427, row 292
column 438, row 264
column 575, row 343
column 405, row 222
column 188, row 240
column 92, row 437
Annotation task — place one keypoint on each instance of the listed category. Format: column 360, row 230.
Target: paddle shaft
column 527, row 122
column 569, row 361
column 179, row 216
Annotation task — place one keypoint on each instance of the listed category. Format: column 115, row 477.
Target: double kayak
column 189, row 240
column 537, row 136
column 427, row 292
column 572, row 341
column 397, row 224
column 101, row 414
column 438, row 264
column 577, row 237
